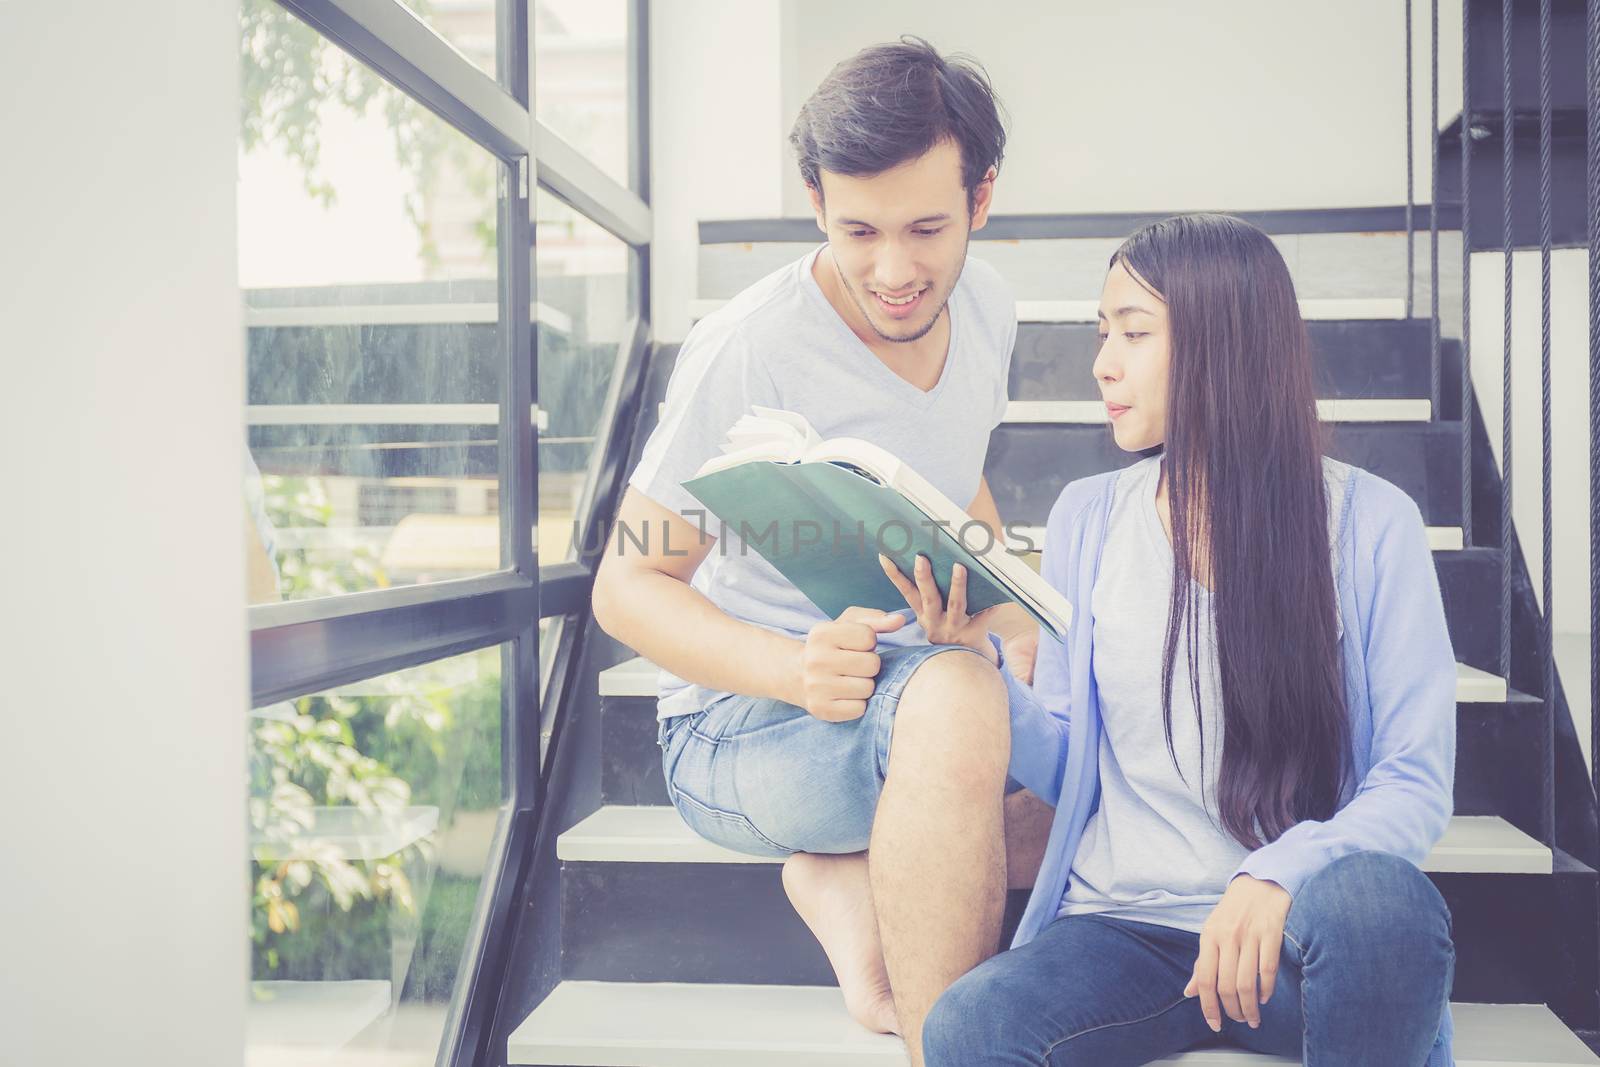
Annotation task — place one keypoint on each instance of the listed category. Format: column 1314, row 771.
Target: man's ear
column 816, row 207
column 982, row 198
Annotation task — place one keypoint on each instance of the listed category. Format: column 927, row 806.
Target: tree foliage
column 289, row 73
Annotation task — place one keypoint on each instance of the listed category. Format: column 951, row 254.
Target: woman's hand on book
column 946, row 623
column 839, row 665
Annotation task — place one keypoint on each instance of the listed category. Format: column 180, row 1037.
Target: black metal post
column 1432, row 223
column 1466, row 274
column 1507, row 150
column 1411, row 227
column 1547, row 630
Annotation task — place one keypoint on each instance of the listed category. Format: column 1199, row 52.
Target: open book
column 820, row 511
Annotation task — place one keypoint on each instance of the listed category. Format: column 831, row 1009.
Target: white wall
column 123, row 876
column 717, row 134
column 1143, row 105
column 1163, row 104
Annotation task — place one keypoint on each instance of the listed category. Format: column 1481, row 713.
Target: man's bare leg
column 937, row 854
column 834, row 897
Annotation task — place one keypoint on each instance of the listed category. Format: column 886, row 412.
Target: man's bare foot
column 833, row 894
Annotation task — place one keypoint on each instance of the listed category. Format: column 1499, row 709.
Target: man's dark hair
column 889, row 104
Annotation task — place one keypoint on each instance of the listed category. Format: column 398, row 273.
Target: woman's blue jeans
column 1363, row 978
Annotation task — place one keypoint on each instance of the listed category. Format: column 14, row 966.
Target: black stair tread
column 1028, row 465
column 1312, row 309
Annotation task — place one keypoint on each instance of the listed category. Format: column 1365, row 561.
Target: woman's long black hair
column 1243, row 458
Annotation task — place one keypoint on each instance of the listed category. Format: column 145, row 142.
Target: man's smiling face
column 898, row 239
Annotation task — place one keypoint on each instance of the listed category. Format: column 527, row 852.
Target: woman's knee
column 1000, row 1013
column 955, row 1030
column 1372, row 897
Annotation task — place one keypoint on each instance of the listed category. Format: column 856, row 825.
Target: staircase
column 673, row 951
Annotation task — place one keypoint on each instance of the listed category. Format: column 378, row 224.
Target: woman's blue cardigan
column 1400, row 689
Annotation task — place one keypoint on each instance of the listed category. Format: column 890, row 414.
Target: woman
column 1248, row 749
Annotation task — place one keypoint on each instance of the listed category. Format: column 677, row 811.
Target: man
column 777, row 722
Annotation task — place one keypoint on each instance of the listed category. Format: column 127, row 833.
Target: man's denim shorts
column 767, row 778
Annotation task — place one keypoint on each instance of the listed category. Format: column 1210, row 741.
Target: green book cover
column 822, row 525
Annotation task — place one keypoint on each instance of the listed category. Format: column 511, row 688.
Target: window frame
column 303, row 647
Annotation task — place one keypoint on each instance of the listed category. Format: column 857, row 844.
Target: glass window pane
column 367, row 234
column 372, row 808
column 468, row 25
column 582, row 303
column 580, row 72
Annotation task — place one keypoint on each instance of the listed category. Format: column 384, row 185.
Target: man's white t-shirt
column 781, row 344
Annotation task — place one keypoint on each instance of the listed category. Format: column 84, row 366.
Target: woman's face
column 1135, row 357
